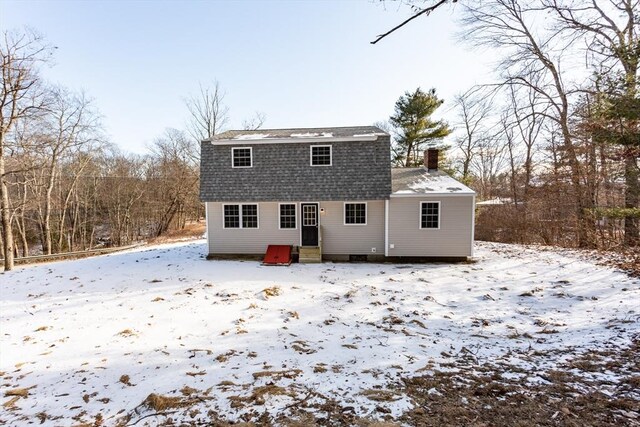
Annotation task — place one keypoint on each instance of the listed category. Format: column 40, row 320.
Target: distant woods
column 65, row 187
column 552, row 144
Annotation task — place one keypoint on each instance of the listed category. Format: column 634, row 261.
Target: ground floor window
column 430, row 215
column 355, row 213
column 240, row 216
column 288, row 216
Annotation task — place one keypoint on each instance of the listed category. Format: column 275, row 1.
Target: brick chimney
column 431, row 159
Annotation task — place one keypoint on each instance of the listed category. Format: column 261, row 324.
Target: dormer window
column 320, row 155
column 241, row 157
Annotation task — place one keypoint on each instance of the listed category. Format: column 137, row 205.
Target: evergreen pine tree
column 414, row 126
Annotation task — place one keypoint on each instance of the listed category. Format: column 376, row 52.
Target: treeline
column 552, row 144
column 94, row 195
column 65, row 187
column 557, row 138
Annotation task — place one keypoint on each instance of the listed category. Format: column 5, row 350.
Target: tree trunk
column 46, row 225
column 7, row 234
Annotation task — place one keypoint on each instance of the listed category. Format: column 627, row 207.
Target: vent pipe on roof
column 431, row 159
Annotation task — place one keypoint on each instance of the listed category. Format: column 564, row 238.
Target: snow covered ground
column 95, row 340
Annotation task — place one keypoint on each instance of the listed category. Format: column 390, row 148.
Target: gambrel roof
column 281, row 169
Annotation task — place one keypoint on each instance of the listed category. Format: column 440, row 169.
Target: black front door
column 309, row 224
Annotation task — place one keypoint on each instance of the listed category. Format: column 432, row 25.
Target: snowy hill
column 113, row 339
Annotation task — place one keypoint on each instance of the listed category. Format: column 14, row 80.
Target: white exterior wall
column 454, row 238
column 248, row 240
column 341, row 239
column 337, row 238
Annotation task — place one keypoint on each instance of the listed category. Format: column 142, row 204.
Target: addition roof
column 419, row 181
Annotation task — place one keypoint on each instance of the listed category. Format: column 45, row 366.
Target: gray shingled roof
column 410, row 181
column 360, row 167
column 336, row 132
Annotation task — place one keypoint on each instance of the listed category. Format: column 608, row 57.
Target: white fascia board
column 400, row 196
column 318, row 140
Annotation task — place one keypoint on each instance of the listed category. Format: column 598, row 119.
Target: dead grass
column 277, row 375
column 18, row 392
column 11, row 403
column 192, row 230
column 381, row 395
column 273, row 291
column 187, row 391
column 161, row 403
column 127, row 333
column 124, row 379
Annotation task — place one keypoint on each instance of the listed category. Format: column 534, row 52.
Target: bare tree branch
column 426, row 11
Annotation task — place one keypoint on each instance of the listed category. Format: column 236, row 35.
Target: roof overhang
column 434, row 194
column 319, row 140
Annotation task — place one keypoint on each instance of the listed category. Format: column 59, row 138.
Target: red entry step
column 277, row 255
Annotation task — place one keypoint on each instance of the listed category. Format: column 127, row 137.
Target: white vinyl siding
column 337, row 238
column 341, row 239
column 452, row 239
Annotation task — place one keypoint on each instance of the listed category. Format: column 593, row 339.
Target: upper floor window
column 355, row 213
column 430, row 215
column 320, row 155
column 241, row 157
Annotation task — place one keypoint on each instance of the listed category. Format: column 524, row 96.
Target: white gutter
column 448, row 194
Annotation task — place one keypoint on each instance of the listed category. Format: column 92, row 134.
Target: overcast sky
column 301, row 63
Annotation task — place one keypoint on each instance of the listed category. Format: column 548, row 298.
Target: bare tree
column 474, row 111
column 172, row 166
column 71, row 125
column 488, row 164
column 612, row 30
column 21, row 97
column 417, row 12
column 255, row 122
column 532, row 60
column 527, row 113
column 208, row 113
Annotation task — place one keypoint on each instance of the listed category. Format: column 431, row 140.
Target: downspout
column 473, row 221
column 386, row 228
column 206, row 225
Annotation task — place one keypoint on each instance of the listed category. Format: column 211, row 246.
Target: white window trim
column 420, row 215
column 240, row 205
column 344, row 213
column 311, row 155
column 295, row 209
column 233, row 149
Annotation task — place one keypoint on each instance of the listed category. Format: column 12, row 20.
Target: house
column 329, row 193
